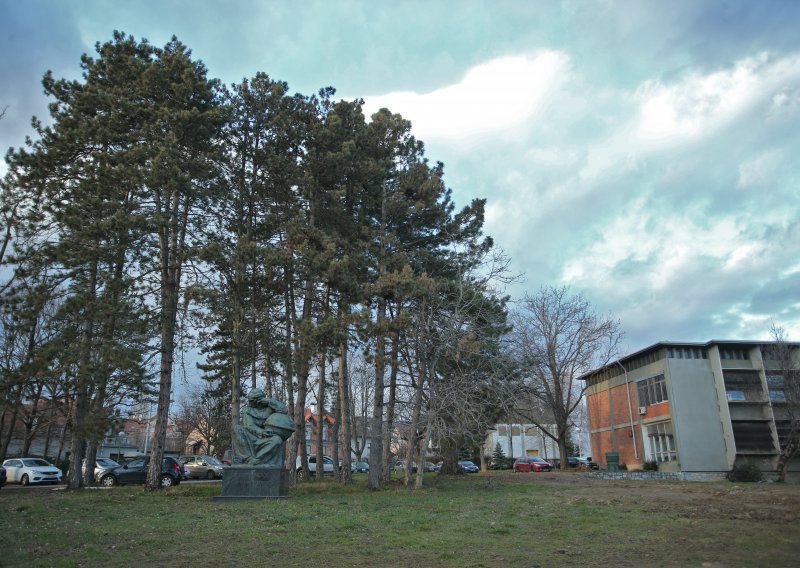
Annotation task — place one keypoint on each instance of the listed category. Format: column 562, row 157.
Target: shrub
column 745, row 473
column 651, row 465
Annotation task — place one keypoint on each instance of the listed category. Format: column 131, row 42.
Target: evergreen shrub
column 745, row 473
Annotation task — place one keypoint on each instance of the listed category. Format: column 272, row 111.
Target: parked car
column 101, row 464
column 359, row 467
column 468, row 467
column 585, row 463
column 532, row 463
column 2, row 476
column 400, row 465
column 135, row 471
column 31, row 470
column 203, row 467
column 327, row 466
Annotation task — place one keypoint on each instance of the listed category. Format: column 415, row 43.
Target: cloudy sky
column 643, row 153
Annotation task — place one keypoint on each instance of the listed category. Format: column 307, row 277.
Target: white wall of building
column 518, row 440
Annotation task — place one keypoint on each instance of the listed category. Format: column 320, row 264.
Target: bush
column 651, row 465
column 745, row 473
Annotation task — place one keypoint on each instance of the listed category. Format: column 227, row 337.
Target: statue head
column 255, row 394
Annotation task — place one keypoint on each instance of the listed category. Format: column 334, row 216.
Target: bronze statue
column 265, row 426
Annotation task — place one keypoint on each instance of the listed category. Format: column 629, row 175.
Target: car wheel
column 25, row 480
column 167, row 481
column 108, row 481
column 210, row 475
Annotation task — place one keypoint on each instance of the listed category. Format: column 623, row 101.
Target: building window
column 743, row 386
column 777, row 395
column 735, row 394
column 777, row 392
column 652, row 390
column 734, row 354
column 662, row 442
column 502, row 430
column 752, row 436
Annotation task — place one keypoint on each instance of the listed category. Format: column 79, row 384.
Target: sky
column 643, row 153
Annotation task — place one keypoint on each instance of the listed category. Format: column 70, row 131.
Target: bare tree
column 557, row 337
column 205, row 414
column 783, row 378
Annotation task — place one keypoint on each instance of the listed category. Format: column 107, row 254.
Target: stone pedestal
column 248, row 482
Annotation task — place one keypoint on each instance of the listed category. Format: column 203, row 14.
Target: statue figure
column 266, row 425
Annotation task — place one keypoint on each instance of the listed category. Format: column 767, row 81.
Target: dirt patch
column 776, row 502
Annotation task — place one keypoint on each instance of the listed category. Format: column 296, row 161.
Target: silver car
column 203, row 467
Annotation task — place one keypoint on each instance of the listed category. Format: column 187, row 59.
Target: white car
column 31, row 470
column 327, row 466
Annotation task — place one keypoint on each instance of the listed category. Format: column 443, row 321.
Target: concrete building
column 691, row 407
column 519, row 440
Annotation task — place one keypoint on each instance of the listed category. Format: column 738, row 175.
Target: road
column 62, row 486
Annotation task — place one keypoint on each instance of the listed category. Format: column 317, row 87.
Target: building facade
column 691, row 407
column 520, row 440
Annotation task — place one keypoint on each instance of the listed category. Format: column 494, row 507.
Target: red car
column 532, row 463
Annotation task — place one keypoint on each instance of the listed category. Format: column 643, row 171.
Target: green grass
column 480, row 520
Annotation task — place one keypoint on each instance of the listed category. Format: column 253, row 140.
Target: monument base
column 247, row 482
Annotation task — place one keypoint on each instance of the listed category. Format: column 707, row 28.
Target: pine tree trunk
column 390, row 405
column 81, row 403
column 376, row 440
column 171, row 244
column 320, row 453
column 345, row 433
column 414, row 427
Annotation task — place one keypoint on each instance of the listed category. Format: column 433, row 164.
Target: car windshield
column 466, row 462
column 211, row 460
column 539, row 460
column 106, row 462
column 35, row 463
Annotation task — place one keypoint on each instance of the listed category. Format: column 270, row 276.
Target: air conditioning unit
column 642, row 410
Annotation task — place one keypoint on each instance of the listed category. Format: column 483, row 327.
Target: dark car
column 359, row 467
column 135, row 471
column 468, row 466
column 532, row 463
column 584, row 463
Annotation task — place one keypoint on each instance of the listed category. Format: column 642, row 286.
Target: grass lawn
column 491, row 519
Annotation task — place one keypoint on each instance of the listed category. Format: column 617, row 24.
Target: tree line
column 288, row 237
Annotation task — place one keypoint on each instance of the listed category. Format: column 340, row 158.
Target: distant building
column 520, row 440
column 690, row 407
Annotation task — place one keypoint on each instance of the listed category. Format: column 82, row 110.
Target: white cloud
column 492, row 98
column 663, row 247
column 700, row 104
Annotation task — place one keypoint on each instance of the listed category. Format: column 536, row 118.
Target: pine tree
column 498, row 457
